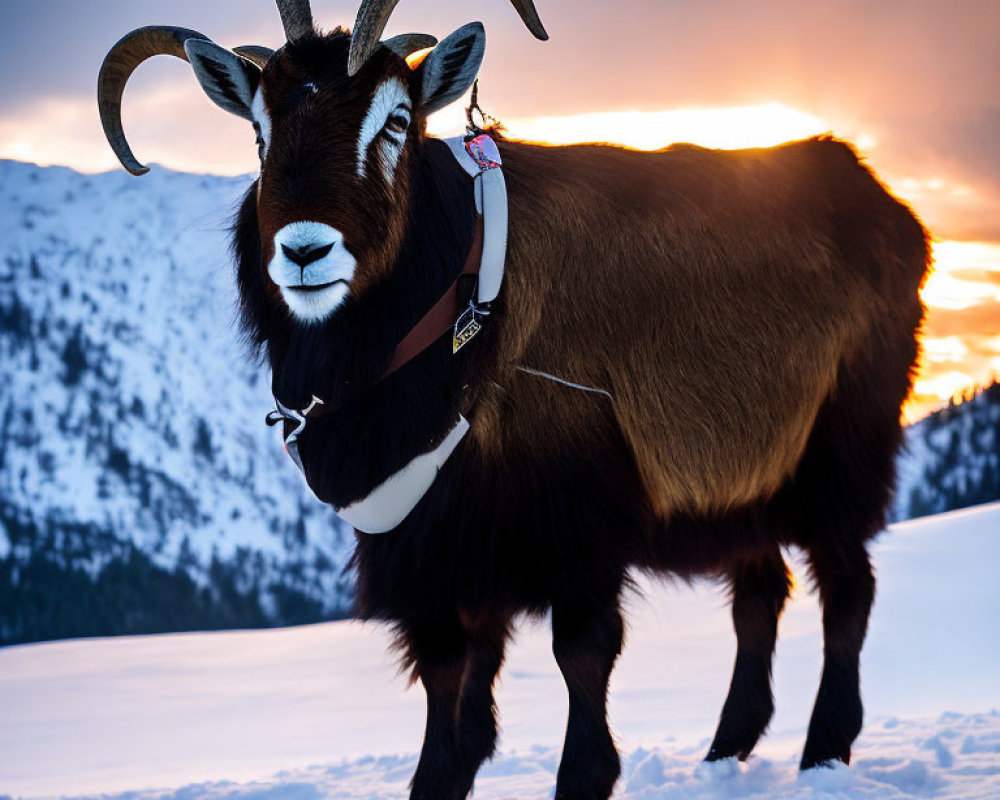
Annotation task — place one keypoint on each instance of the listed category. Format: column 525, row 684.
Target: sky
column 914, row 83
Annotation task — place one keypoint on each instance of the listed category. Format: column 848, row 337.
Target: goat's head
column 337, row 118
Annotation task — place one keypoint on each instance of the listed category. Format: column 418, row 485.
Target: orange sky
column 914, row 83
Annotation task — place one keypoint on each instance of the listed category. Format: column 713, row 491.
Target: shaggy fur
column 753, row 315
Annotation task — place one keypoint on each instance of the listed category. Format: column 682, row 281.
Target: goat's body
column 752, row 306
column 752, row 315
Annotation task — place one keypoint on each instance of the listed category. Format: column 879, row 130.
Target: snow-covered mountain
column 951, row 458
column 139, row 487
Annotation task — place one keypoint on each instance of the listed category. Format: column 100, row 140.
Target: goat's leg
column 759, row 588
column 477, row 721
column 586, row 641
column 457, row 671
column 846, row 585
column 439, row 655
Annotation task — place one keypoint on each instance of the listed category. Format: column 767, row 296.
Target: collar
column 390, row 502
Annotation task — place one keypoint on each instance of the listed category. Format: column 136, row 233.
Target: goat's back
column 714, row 294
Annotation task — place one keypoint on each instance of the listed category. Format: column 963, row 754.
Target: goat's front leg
column 457, row 668
column 586, row 641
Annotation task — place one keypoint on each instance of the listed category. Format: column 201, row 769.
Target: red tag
column 484, row 150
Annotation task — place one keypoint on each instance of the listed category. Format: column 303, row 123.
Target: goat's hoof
column 812, row 762
column 731, row 749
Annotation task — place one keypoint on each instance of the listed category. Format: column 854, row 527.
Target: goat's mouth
column 314, row 302
column 317, row 287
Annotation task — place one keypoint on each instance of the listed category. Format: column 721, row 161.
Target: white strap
column 465, row 161
column 491, row 201
column 391, row 501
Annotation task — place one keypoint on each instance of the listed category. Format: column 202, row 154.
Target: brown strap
column 441, row 318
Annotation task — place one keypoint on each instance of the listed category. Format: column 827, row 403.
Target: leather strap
column 441, row 318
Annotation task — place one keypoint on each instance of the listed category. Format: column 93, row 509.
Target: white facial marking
column 259, row 110
column 391, row 100
column 312, row 269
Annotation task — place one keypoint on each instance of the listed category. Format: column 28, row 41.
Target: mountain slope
column 135, row 454
column 952, row 457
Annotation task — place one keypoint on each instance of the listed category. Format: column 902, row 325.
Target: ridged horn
column 296, row 18
column 120, row 62
column 374, row 15
column 254, row 53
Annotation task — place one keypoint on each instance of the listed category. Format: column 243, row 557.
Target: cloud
column 169, row 124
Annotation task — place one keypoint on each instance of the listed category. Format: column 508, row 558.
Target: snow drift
column 319, row 711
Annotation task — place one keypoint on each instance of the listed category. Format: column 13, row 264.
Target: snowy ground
column 318, row 712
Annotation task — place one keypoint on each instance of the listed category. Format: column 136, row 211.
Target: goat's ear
column 229, row 81
column 451, row 67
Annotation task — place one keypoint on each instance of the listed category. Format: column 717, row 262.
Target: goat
column 742, row 324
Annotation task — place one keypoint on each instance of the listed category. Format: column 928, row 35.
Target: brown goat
column 731, row 337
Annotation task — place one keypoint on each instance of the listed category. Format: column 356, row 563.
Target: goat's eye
column 259, row 141
column 397, row 123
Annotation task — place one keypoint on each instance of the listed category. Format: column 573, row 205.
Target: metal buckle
column 285, row 414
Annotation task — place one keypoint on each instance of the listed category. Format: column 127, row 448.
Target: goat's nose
column 306, row 254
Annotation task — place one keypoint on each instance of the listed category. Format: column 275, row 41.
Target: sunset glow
column 728, row 127
column 965, row 274
column 746, row 126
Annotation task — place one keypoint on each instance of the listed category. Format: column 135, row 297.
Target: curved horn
column 254, row 53
column 296, row 18
column 130, row 51
column 374, row 15
column 529, row 16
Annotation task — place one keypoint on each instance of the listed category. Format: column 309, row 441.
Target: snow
column 319, row 711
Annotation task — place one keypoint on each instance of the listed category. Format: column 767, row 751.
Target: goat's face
column 337, row 121
column 333, row 196
column 333, row 192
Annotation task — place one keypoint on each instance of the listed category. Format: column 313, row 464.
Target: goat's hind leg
column 846, row 585
column 759, row 588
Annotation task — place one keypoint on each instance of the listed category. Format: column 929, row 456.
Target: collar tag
column 466, row 326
